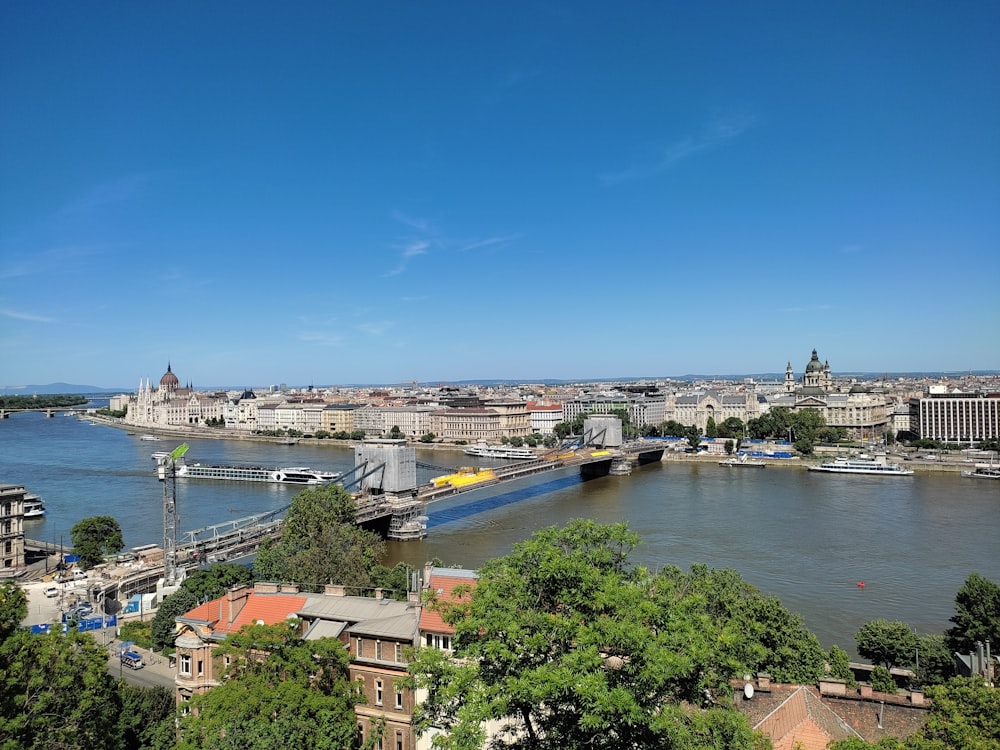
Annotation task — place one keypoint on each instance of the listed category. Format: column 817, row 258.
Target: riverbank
column 943, row 464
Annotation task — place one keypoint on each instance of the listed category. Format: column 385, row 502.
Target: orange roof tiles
column 443, row 588
column 267, row 608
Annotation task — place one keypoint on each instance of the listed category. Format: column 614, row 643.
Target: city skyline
column 332, row 194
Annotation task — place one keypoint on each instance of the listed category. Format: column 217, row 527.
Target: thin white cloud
column 376, row 327
column 717, row 132
column 489, row 242
column 320, row 338
column 421, row 225
column 18, row 315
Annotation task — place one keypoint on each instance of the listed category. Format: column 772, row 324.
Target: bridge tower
column 393, row 480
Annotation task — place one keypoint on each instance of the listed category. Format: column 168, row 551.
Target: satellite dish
column 748, row 690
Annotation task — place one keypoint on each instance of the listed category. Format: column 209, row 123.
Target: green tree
column 840, row 664
column 96, row 537
column 977, row 615
column 395, row 433
column 562, row 430
column 892, row 644
column 569, row 646
column 55, row 692
column 882, row 680
column 935, row 665
column 146, row 718
column 427, row 437
column 296, row 696
column 216, row 580
column 13, row 608
column 164, row 621
column 711, row 430
column 321, row 544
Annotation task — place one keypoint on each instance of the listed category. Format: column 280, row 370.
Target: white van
column 79, row 574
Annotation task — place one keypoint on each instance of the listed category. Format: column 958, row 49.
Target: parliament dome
column 169, row 380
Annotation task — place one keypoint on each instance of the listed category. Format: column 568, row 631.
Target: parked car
column 51, row 591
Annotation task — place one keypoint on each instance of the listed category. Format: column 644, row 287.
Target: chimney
column 236, row 598
column 428, row 567
column 917, row 697
column 763, row 681
column 289, row 588
column 265, row 587
column 334, row 590
column 379, row 594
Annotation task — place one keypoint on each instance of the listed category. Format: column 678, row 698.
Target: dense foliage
column 892, row 644
column 96, row 537
column 51, row 401
column 296, row 696
column 55, row 692
column 321, row 544
column 566, row 645
column 977, row 615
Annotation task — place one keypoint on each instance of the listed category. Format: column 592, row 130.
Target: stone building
column 861, row 413
column 11, row 530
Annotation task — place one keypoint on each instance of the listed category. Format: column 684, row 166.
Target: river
column 805, row 537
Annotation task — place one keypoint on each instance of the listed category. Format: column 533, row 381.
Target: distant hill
column 50, row 388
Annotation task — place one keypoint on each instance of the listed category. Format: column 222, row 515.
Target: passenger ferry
column 33, row 506
column 982, row 471
column 244, row 473
column 862, row 465
column 499, row 451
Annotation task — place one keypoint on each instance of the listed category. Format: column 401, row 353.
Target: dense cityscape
column 395, row 641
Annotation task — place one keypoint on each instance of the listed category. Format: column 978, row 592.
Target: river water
column 805, row 537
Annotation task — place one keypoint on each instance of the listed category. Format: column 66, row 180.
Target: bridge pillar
column 4, row 414
column 620, row 467
column 49, row 413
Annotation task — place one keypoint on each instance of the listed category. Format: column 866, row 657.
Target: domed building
column 169, row 381
column 859, row 412
column 171, row 405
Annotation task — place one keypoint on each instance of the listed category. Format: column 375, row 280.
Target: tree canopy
column 296, row 696
column 977, row 615
column 566, row 645
column 96, row 537
column 891, row 644
column 321, row 544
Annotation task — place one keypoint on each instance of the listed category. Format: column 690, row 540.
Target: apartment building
column 377, row 632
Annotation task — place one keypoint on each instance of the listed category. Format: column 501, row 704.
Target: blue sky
column 383, row 192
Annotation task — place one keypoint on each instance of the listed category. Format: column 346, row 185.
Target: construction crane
column 170, row 574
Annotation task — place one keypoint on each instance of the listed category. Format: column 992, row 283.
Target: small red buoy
column 861, row 584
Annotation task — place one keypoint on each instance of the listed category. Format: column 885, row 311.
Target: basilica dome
column 814, row 364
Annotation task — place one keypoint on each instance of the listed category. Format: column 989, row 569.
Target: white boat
column 33, row 506
column 983, row 471
column 148, row 437
column 245, row 473
column 862, row 465
column 499, row 451
column 742, row 462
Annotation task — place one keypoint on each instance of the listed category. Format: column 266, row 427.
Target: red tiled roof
column 268, row 608
column 443, row 588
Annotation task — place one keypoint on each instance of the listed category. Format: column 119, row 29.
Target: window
column 399, row 699
column 201, row 668
column 378, row 692
column 399, row 741
column 185, row 663
column 399, row 652
column 358, row 650
column 378, row 650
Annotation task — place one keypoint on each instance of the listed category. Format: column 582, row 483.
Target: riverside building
column 954, row 417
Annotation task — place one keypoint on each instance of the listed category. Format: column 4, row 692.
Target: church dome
column 814, row 364
column 169, row 380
